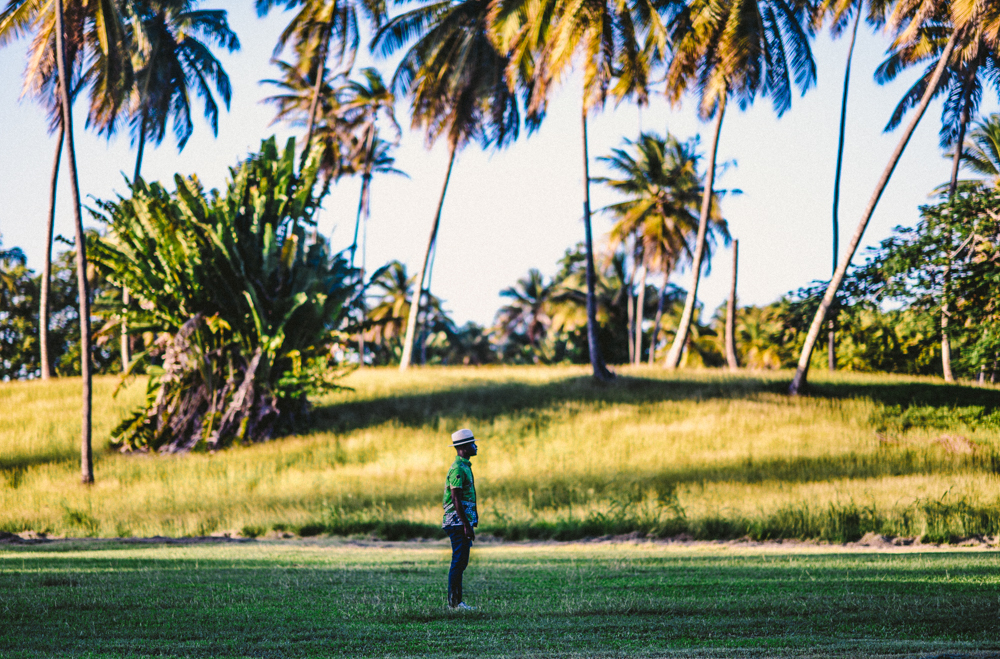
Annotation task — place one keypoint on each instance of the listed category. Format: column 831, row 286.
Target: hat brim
column 463, row 442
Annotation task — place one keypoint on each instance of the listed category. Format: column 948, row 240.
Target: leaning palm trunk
column 659, row 317
column 831, row 337
column 802, row 371
column 86, row 453
column 952, row 187
column 731, row 359
column 43, row 311
column 640, row 304
column 411, row 323
column 601, row 372
column 680, row 339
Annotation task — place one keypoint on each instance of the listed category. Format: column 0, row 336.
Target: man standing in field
column 460, row 515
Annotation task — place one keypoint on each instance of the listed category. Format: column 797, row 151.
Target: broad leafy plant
column 241, row 306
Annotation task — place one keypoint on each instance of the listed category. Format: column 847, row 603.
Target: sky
column 521, row 208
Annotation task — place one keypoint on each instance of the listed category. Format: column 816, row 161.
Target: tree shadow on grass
column 486, row 401
column 14, row 466
column 909, row 394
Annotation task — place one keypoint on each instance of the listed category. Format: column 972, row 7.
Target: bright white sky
column 520, row 208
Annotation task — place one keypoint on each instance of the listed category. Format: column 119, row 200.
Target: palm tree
column 361, row 105
column 386, row 320
column 723, row 49
column 662, row 186
column 839, row 12
column 91, row 33
column 81, row 31
column 334, row 137
column 172, row 63
column 982, row 149
column 907, row 20
column 455, row 80
column 527, row 311
column 316, row 27
column 377, row 160
column 618, row 41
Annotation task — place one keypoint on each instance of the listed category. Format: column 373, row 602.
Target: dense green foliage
column 20, row 288
column 321, row 599
column 242, row 304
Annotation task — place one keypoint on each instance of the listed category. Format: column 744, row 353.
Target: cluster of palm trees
column 475, row 71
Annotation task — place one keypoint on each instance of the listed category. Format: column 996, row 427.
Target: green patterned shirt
column 460, row 476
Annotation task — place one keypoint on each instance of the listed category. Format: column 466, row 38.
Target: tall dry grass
column 709, row 454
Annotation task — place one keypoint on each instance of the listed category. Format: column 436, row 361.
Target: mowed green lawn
column 299, row 598
column 710, row 454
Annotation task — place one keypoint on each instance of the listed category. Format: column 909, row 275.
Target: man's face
column 468, row 450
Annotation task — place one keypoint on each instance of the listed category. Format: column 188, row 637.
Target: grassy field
column 707, row 454
column 301, row 598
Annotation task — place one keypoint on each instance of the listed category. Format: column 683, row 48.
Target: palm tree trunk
column 363, row 210
column 802, row 372
column 365, row 178
column 411, row 323
column 86, row 453
column 952, row 187
column 142, row 148
column 680, row 339
column 731, row 359
column 831, row 336
column 126, row 352
column 640, row 305
column 659, row 317
column 601, row 372
column 314, row 104
column 630, row 319
column 43, row 311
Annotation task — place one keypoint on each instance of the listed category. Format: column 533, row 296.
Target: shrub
column 243, row 306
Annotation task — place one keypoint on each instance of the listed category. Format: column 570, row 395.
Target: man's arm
column 456, row 498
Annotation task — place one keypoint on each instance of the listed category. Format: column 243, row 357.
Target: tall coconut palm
column 618, row 42
column 86, row 452
column 906, row 20
column 377, row 159
column 732, row 49
column 92, row 28
column 840, row 12
column 455, row 80
column 973, row 65
column 362, row 105
column 174, row 61
column 63, row 41
column 318, row 27
column 662, row 186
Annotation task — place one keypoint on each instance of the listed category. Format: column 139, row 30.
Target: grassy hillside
column 304, row 599
column 709, row 454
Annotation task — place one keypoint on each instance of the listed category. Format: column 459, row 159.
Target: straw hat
column 462, row 437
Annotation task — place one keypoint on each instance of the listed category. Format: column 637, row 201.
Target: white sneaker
column 462, row 606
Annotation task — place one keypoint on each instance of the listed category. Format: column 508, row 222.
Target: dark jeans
column 460, row 546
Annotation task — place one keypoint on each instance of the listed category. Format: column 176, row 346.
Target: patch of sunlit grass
column 708, row 453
